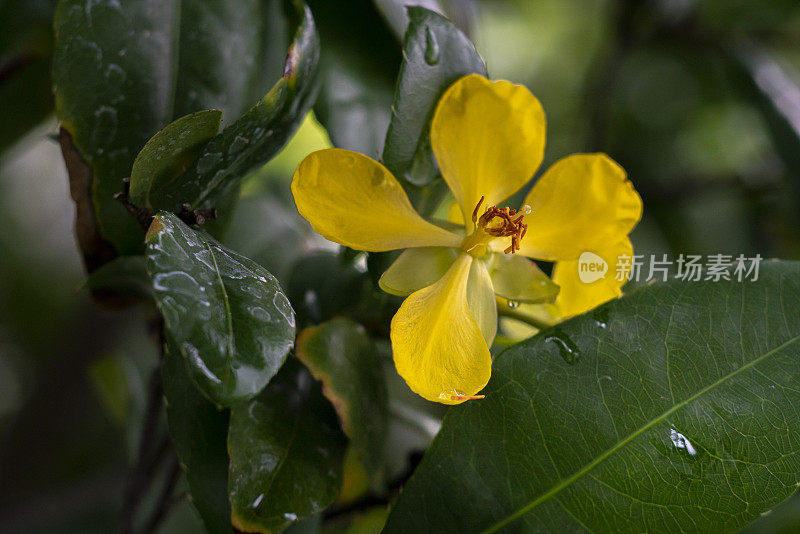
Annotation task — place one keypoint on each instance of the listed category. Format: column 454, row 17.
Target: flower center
column 493, row 223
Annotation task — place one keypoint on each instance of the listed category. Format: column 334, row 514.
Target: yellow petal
column 416, row 268
column 488, row 138
column 578, row 296
column 438, row 347
column 355, row 201
column 582, row 201
column 480, row 297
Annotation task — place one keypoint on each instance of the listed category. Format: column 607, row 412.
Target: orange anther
column 467, row 397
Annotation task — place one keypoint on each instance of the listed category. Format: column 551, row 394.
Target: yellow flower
column 488, row 139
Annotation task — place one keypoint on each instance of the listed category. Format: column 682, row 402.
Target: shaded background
column 699, row 100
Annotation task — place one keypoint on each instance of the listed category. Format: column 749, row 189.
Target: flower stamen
column 503, row 222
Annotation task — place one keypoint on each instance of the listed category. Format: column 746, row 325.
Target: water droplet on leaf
column 431, row 48
column 681, row 442
column 566, row 347
column 513, row 304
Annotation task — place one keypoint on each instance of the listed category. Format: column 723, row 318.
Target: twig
column 539, row 324
column 165, row 500
column 141, row 474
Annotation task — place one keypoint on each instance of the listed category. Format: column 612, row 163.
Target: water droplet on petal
column 513, row 304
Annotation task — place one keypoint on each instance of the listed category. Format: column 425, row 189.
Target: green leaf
column 232, row 51
column 286, row 453
column 436, row 54
column 396, row 13
column 227, row 314
column 199, row 432
column 341, row 355
column 260, row 133
column 168, row 154
column 123, row 70
column 113, row 81
column 358, row 67
column 673, row 408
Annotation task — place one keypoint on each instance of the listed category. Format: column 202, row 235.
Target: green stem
column 513, row 313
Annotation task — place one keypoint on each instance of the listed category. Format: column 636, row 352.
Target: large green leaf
column 217, row 71
column 436, row 54
column 168, row 154
column 341, row 355
column 199, row 432
column 123, row 70
column 113, row 81
column 227, row 314
column 286, row 453
column 673, row 409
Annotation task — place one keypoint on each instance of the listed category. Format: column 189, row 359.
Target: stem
column 151, row 450
column 539, row 324
column 165, row 500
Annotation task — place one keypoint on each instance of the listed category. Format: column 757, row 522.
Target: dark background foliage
column 699, row 100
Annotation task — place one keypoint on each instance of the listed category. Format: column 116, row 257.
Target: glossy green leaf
column 286, row 453
column 227, row 314
column 519, row 279
column 113, row 81
column 341, row 355
column 672, row 409
column 436, row 54
column 168, row 154
column 260, row 133
column 124, row 70
column 396, row 13
column 199, row 432
column 358, row 67
column 228, row 54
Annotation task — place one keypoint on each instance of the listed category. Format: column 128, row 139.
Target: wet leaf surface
column 674, row 408
column 436, row 54
column 199, row 432
column 228, row 316
column 286, row 453
column 341, row 355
